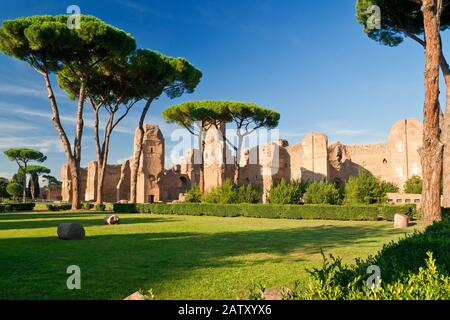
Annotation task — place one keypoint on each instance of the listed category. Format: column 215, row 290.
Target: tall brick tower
column 151, row 167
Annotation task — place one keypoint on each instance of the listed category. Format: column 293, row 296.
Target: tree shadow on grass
column 117, row 265
column 38, row 221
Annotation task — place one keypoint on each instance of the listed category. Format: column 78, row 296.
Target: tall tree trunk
column 135, row 163
column 237, row 160
column 32, row 187
column 24, row 182
column 202, row 164
column 63, row 136
column 432, row 149
column 76, row 196
column 103, row 160
column 445, row 138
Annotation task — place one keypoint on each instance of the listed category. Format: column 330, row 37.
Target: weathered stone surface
column 71, row 231
column 135, row 296
column 312, row 159
column 401, row 221
column 112, row 220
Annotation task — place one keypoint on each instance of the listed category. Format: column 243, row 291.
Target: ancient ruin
column 312, row 159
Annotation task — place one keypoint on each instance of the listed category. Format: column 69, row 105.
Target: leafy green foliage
column 87, row 206
column 322, row 193
column 416, row 267
column 231, row 193
column 16, row 207
column 413, row 185
column 100, row 207
column 367, row 189
column 428, row 283
column 194, row 195
column 24, row 155
column 3, row 184
column 59, row 207
column 15, row 190
column 325, row 212
column 287, row 192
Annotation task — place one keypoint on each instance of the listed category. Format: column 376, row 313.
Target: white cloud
column 42, row 143
column 89, row 123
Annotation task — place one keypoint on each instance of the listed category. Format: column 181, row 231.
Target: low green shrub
column 16, row 207
column 59, row 207
column 428, row 283
column 87, row 206
column 100, row 207
column 231, row 193
column 322, row 193
column 416, row 267
column 271, row 211
column 367, row 189
column 194, row 195
column 287, row 192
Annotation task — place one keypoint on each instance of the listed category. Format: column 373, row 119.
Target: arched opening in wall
column 184, row 183
column 385, row 162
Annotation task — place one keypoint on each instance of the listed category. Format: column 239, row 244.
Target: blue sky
column 308, row 59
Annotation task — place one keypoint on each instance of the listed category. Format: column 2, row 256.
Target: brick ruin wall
column 312, row 159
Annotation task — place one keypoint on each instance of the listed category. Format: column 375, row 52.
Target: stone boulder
column 401, row 221
column 71, row 231
column 273, row 294
column 112, row 220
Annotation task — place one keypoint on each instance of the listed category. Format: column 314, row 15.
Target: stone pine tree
column 23, row 157
column 110, row 89
column 48, row 45
column 249, row 117
column 402, row 19
column 154, row 74
column 35, row 171
column 197, row 117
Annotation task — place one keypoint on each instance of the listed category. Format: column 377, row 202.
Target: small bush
column 231, row 193
column 249, row 194
column 367, row 189
column 87, row 206
column 100, row 207
column 413, row 185
column 194, row 195
column 285, row 192
column 59, row 207
column 125, row 208
column 322, row 193
column 16, row 207
column 15, row 190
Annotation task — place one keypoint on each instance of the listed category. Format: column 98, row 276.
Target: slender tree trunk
column 32, row 187
column 63, row 136
column 237, row 161
column 24, row 181
column 103, row 160
column 76, row 196
column 445, row 138
column 135, row 163
column 432, row 149
column 202, row 164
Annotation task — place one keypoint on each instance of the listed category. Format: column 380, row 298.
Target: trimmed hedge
column 272, row 211
column 59, row 207
column 16, row 207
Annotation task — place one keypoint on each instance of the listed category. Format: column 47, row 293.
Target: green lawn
column 179, row 257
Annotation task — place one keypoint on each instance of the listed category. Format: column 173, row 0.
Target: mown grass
column 179, row 257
